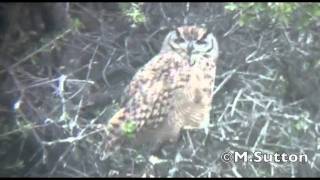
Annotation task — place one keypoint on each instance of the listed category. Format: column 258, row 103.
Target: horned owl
column 173, row 91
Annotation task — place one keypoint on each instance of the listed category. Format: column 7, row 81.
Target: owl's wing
column 147, row 97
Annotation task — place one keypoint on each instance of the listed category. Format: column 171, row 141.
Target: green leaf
column 301, row 125
column 231, row 7
column 133, row 11
column 129, row 128
column 77, row 24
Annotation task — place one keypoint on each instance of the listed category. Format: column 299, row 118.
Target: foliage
column 129, row 128
column 301, row 15
column 133, row 11
column 76, row 24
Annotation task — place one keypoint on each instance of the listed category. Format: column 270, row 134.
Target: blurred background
column 63, row 67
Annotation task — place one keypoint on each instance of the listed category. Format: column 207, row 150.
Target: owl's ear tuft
column 204, row 36
column 178, row 33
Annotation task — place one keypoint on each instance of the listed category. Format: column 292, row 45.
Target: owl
column 173, row 91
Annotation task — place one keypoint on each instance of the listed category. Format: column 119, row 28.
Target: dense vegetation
column 63, row 67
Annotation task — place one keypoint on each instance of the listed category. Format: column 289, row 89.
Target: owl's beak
column 189, row 53
column 190, row 49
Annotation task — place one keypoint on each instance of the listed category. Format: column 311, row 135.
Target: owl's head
column 192, row 40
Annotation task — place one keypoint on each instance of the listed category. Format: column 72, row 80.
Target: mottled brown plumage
column 173, row 91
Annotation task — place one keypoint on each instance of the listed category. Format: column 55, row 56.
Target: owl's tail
column 114, row 134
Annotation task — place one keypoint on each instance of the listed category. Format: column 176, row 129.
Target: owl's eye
column 201, row 42
column 179, row 40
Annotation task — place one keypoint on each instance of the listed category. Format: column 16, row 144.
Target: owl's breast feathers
column 165, row 93
column 194, row 102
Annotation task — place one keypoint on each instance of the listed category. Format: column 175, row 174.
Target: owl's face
column 193, row 41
